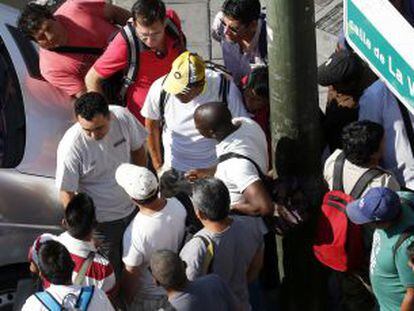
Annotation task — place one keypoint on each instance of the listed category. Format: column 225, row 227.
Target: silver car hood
column 48, row 110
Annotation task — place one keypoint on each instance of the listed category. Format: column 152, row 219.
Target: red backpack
column 338, row 243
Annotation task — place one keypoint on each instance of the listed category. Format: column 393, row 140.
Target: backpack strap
column 134, row 48
column 263, row 38
column 224, row 89
column 403, row 236
column 405, row 114
column 207, row 265
column 231, row 155
column 84, row 268
column 78, row 50
column 363, row 182
column 85, row 298
column 48, row 301
column 175, row 32
column 161, row 104
column 338, row 173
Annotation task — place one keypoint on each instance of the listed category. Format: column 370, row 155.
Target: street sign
column 384, row 39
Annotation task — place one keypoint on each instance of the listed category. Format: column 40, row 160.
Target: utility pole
column 296, row 137
column 293, row 87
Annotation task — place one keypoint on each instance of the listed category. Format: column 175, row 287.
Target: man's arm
column 408, row 302
column 139, row 157
column 255, row 265
column 129, row 283
column 258, row 201
column 65, row 197
column 154, row 142
column 93, row 81
column 116, row 14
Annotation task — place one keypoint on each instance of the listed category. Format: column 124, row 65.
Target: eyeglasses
column 234, row 30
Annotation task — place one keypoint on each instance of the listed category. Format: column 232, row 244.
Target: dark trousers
column 109, row 235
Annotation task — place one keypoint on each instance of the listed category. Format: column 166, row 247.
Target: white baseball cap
column 138, row 181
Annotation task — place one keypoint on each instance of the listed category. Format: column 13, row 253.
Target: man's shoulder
column 375, row 91
column 71, row 138
column 33, row 304
column 156, row 86
column 68, row 8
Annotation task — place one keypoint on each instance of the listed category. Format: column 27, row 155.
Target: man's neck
column 153, row 207
column 227, row 131
column 217, row 226
column 171, row 292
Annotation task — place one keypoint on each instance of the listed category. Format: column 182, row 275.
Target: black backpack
column 116, row 87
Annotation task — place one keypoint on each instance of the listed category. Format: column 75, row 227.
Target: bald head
column 168, row 269
column 212, row 118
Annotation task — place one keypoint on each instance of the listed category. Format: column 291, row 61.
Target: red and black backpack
column 338, row 242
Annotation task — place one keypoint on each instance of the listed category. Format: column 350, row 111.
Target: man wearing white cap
column 159, row 224
column 170, row 105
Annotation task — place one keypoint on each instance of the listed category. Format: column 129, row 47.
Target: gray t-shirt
column 88, row 165
column 234, row 249
column 205, row 294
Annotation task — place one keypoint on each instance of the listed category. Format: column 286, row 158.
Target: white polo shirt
column 184, row 147
column 100, row 272
column 149, row 233
column 237, row 174
column 88, row 165
column 99, row 301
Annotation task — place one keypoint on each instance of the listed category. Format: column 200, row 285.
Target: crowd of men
column 165, row 176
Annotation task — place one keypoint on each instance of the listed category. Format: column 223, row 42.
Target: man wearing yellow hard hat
column 169, row 108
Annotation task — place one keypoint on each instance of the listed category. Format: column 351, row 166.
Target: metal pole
column 293, row 87
column 296, row 138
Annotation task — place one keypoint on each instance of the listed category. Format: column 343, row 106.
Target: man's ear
column 200, row 215
column 65, row 224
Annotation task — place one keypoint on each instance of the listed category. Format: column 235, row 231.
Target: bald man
column 245, row 138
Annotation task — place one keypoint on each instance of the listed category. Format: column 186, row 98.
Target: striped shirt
column 100, row 273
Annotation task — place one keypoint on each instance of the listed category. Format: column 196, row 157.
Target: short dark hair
column 245, row 11
column 168, row 269
column 55, row 263
column 211, row 197
column 80, row 216
column 258, row 81
column 147, row 12
column 90, row 105
column 32, row 18
column 360, row 140
column 147, row 200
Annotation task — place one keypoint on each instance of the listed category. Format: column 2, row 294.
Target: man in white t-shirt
column 243, row 137
column 188, row 85
column 87, row 157
column 160, row 224
column 56, row 266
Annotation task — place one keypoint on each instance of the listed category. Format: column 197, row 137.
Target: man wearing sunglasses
column 240, row 28
column 160, row 41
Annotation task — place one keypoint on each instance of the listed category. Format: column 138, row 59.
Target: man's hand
column 93, row 81
column 65, row 197
column 200, row 173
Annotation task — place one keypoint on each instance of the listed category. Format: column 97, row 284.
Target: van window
column 12, row 118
